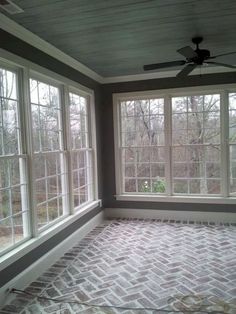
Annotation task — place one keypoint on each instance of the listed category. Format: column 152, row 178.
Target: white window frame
column 167, row 94
column 51, row 82
column 90, row 149
column 21, row 155
column 26, row 70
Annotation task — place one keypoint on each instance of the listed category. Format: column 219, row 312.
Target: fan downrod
column 197, row 40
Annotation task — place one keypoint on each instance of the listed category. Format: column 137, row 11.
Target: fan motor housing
column 202, row 55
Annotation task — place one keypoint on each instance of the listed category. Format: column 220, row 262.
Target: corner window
column 47, row 154
column 175, row 144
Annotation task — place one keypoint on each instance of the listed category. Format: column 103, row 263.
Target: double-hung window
column 142, row 147
column 80, row 149
column 178, row 144
column 196, row 150
column 47, row 154
column 14, row 211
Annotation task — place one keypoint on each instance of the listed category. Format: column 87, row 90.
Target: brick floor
column 142, row 264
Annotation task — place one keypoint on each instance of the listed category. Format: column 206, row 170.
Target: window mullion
column 224, row 121
column 28, row 143
column 89, row 155
column 93, row 144
column 118, row 147
column 168, row 140
column 67, row 149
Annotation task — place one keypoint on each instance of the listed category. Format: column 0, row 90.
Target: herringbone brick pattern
column 140, row 264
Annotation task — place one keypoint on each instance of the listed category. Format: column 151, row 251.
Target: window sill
column 176, row 199
column 31, row 244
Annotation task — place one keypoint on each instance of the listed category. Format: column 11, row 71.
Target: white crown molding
column 19, row 31
column 163, row 74
column 22, row 33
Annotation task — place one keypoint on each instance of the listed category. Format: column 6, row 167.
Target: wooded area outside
column 195, row 145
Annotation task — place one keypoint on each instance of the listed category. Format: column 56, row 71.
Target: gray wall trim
column 14, row 269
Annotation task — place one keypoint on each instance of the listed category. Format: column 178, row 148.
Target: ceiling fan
column 194, row 58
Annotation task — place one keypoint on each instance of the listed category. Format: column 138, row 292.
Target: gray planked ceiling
column 117, row 37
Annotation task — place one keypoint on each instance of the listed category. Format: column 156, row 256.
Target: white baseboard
column 216, row 217
column 36, row 269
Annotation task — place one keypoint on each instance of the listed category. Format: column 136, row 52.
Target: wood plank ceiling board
column 116, row 38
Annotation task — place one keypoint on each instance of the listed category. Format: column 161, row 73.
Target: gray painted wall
column 109, row 191
column 22, row 49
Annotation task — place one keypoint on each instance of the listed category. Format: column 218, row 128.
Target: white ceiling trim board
column 22, row 33
column 164, row 74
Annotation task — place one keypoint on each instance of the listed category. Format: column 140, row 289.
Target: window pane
column 42, row 215
column 82, row 177
column 232, row 117
column 201, row 163
column 142, row 123
column 46, row 116
column 130, row 185
column 142, row 134
column 130, row 170
column 199, row 120
column 6, row 235
column 13, row 189
column 180, row 186
column 43, row 94
column 9, row 128
column 49, row 187
column 196, row 130
column 49, row 160
column 18, row 227
column 144, row 185
column 78, row 121
column 5, row 203
column 232, row 154
column 158, row 170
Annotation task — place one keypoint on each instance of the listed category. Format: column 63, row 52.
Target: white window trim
column 25, row 70
column 65, row 196
column 167, row 94
column 92, row 147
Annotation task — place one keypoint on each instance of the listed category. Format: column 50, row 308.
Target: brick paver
column 140, row 263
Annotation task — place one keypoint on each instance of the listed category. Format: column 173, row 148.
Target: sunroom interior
column 117, row 185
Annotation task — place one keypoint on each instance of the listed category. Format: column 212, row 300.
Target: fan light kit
column 194, row 58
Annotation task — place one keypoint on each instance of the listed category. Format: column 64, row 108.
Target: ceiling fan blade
column 222, row 64
column 186, row 70
column 223, row 54
column 155, row 66
column 187, row 52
